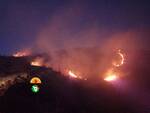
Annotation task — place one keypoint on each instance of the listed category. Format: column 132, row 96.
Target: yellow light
column 110, row 78
column 72, row 74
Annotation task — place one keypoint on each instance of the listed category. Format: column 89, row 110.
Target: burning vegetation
column 37, row 62
column 111, row 73
column 74, row 68
column 73, row 75
column 22, row 53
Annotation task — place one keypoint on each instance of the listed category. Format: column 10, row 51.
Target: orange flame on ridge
column 37, row 62
column 22, row 53
column 73, row 75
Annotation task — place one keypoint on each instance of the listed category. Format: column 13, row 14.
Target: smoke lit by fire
column 111, row 73
column 82, row 48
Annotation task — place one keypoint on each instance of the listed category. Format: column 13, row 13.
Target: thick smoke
column 83, row 47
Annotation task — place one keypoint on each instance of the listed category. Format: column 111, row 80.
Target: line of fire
column 112, row 73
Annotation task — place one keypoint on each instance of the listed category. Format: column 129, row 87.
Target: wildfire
column 73, row 75
column 111, row 76
column 37, row 62
column 22, row 53
column 121, row 62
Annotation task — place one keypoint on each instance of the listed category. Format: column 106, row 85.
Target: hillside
column 60, row 94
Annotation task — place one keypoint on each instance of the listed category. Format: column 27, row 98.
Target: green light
column 35, row 89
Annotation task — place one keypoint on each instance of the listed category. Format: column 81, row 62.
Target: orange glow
column 22, row 53
column 110, row 77
column 118, row 64
column 37, row 62
column 114, row 73
column 72, row 74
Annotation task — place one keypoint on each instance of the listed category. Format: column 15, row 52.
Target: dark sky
column 21, row 20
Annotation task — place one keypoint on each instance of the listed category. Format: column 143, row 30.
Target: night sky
column 22, row 20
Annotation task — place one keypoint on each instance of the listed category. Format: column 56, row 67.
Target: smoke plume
column 84, row 47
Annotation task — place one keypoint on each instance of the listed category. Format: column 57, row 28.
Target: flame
column 118, row 64
column 37, row 62
column 22, row 53
column 73, row 75
column 111, row 76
